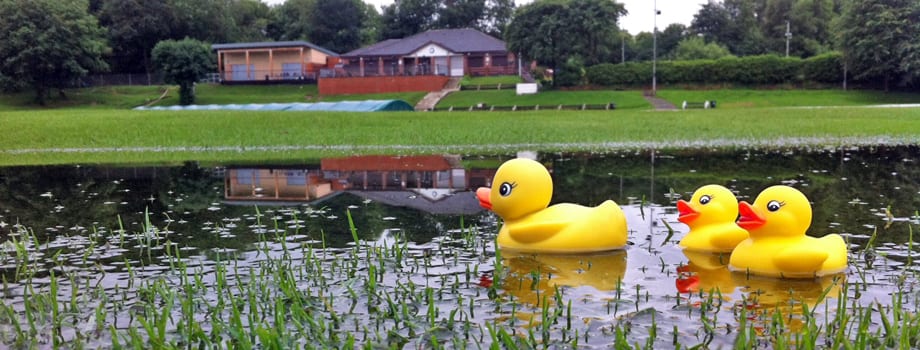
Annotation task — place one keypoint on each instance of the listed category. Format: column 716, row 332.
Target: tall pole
column 655, row 50
column 788, row 36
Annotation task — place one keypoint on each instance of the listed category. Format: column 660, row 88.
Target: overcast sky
column 640, row 16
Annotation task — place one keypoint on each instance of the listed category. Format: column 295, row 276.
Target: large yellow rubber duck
column 778, row 246
column 711, row 214
column 520, row 192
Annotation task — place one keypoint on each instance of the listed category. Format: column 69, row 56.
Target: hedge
column 748, row 70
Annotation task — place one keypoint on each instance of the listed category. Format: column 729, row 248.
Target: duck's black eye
column 505, row 189
column 774, row 205
column 705, row 199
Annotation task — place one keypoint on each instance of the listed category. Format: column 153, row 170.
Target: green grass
column 175, row 136
column 107, row 97
column 623, row 99
column 127, row 97
column 491, row 80
column 747, row 98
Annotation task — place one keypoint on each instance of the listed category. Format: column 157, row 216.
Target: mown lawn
column 748, row 98
column 467, row 98
column 118, row 136
column 127, row 97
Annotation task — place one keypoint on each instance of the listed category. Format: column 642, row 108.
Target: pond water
column 395, row 252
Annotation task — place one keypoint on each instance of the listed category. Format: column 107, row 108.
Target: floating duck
column 520, row 192
column 711, row 214
column 778, row 246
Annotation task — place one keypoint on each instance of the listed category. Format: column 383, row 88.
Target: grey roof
column 456, row 40
column 268, row 44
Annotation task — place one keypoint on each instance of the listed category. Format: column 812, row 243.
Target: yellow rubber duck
column 778, row 246
column 520, row 192
column 711, row 214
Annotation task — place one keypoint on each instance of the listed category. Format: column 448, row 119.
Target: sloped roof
column 456, row 40
column 272, row 44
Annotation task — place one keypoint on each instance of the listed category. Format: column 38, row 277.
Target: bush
column 629, row 74
column 825, row 68
column 570, row 74
column 749, row 70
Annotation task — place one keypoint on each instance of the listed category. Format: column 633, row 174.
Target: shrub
column 824, row 68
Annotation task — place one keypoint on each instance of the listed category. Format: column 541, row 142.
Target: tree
column 250, row 20
column 595, row 21
column 49, row 44
column 184, row 62
column 670, row 37
column 291, row 20
column 732, row 23
column 695, row 48
column 877, row 38
column 134, row 27
column 407, row 17
column 336, row 24
column 544, row 31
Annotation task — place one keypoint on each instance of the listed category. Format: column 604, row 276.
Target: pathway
column 659, row 103
column 431, row 99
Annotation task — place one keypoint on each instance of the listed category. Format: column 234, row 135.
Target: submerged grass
column 297, row 294
column 66, row 137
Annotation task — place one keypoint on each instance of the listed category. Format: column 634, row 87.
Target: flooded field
column 394, row 252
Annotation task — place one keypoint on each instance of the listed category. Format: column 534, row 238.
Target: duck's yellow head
column 777, row 211
column 710, row 204
column 520, row 187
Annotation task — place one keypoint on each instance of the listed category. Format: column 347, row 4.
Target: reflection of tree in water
column 59, row 198
column 832, row 179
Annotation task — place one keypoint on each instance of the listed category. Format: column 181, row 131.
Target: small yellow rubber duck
column 520, row 192
column 711, row 214
column 778, row 246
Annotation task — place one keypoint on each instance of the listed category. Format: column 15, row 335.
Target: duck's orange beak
column 687, row 214
column 750, row 219
column 483, row 195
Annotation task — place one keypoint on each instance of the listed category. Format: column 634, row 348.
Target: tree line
column 52, row 43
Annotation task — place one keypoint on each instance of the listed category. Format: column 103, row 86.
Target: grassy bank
column 127, row 97
column 69, row 136
column 622, row 99
column 747, row 98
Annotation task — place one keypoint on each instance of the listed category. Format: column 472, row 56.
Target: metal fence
column 123, row 79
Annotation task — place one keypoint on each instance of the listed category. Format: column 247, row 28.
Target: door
column 456, row 66
column 240, row 72
column 440, row 66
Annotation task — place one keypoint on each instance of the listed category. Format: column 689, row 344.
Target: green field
column 748, row 98
column 622, row 99
column 117, row 136
column 126, row 97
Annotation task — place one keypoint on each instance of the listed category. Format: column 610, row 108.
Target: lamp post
column 655, row 50
column 788, row 37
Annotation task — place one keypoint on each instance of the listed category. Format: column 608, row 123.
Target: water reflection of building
column 429, row 177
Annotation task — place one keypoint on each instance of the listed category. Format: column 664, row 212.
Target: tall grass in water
column 296, row 294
